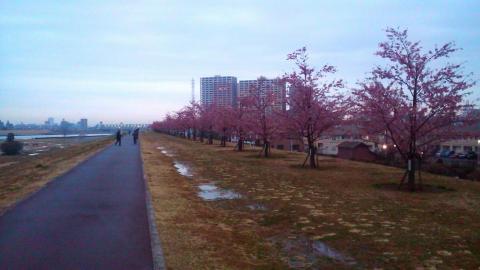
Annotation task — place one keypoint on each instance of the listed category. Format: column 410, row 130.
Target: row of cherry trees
column 415, row 101
column 313, row 109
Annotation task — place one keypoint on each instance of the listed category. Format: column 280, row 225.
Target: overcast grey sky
column 132, row 61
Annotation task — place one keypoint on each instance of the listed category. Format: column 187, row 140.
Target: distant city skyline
column 84, row 122
column 124, row 61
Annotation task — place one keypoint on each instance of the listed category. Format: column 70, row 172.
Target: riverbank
column 25, row 132
column 228, row 210
column 41, row 162
column 55, row 136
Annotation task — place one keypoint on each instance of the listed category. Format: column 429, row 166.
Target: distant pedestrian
column 119, row 138
column 135, row 135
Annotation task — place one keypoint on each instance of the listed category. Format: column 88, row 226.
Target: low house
column 290, row 144
column 460, row 145
column 328, row 143
column 355, row 151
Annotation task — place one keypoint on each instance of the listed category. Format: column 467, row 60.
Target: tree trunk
column 201, row 136
column 266, row 149
column 223, row 142
column 412, row 162
column 313, row 164
column 194, row 134
column 210, row 138
column 240, row 144
column 311, row 151
column 411, row 167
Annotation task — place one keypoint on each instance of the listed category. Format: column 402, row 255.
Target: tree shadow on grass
column 321, row 167
column 272, row 156
column 425, row 188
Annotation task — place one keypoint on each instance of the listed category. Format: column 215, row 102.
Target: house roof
column 351, row 145
column 344, row 130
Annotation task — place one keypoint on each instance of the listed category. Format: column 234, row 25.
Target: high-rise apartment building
column 83, row 124
column 50, row 122
column 275, row 86
column 218, row 90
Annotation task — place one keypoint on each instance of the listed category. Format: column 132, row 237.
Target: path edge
column 155, row 243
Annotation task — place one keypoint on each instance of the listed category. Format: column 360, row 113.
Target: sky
column 133, row 61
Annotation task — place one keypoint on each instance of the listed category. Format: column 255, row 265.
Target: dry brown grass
column 337, row 204
column 195, row 235
column 22, row 175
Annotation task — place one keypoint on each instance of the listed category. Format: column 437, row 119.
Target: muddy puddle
column 210, row 192
column 301, row 252
column 182, row 169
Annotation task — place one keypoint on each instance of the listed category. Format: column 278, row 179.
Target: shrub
column 438, row 168
column 10, row 137
column 11, row 147
column 449, row 170
column 475, row 175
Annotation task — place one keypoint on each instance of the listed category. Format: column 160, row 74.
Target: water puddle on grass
column 210, row 192
column 302, row 252
column 257, row 207
column 324, row 250
column 165, row 152
column 182, row 169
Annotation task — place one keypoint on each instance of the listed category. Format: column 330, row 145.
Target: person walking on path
column 119, row 138
column 135, row 135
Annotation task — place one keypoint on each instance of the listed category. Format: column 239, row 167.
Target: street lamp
column 384, row 147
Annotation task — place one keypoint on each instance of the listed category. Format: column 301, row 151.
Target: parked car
column 471, row 155
column 445, row 154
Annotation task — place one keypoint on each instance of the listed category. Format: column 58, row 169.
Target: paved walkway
column 93, row 217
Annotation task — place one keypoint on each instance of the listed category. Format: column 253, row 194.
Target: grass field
column 334, row 217
column 21, row 175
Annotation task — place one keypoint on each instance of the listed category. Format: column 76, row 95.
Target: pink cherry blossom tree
column 206, row 122
column 415, row 100
column 222, row 122
column 238, row 122
column 314, row 107
column 183, row 123
column 190, row 115
column 263, row 113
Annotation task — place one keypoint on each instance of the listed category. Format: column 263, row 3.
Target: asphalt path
column 93, row 217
